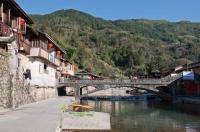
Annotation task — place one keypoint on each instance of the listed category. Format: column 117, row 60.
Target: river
column 155, row 116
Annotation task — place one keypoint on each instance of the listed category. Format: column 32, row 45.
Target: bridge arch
column 61, row 91
column 97, row 89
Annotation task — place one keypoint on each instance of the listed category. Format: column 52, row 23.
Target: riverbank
column 139, row 97
column 190, row 100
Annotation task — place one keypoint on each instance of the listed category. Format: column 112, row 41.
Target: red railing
column 5, row 30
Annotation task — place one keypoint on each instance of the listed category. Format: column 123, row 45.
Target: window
column 8, row 17
column 45, row 69
column 14, row 22
column 1, row 12
column 45, row 66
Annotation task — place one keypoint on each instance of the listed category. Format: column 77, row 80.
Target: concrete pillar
column 81, row 91
column 77, row 94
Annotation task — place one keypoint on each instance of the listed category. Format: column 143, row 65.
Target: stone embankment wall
column 24, row 93
column 42, row 93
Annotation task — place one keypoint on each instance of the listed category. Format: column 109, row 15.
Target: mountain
column 121, row 47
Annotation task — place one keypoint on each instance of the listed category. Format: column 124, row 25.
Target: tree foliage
column 122, row 46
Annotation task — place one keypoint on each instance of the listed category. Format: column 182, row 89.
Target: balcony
column 5, row 30
column 38, row 52
column 41, row 53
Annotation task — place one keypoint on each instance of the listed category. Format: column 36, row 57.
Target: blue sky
column 172, row 10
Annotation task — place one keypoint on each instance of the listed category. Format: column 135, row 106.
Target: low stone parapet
column 42, row 93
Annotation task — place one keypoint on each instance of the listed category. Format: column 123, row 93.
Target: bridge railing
column 165, row 80
column 98, row 81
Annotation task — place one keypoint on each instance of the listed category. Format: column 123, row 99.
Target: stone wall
column 42, row 93
column 24, row 93
column 5, row 88
column 21, row 92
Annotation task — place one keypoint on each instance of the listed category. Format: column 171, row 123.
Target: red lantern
column 50, row 45
column 21, row 21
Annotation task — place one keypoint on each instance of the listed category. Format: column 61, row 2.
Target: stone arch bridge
column 150, row 85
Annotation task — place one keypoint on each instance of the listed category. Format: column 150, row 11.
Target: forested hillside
column 121, row 47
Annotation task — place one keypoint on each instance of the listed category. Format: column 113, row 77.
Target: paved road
column 42, row 116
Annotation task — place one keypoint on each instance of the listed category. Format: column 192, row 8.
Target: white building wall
column 13, row 60
column 39, row 76
column 70, row 69
column 24, row 63
column 43, row 77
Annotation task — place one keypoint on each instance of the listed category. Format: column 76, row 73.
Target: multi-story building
column 26, row 54
column 13, row 23
column 44, row 61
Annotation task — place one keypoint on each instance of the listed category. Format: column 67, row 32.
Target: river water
column 144, row 116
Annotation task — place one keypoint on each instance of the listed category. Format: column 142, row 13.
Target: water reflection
column 150, row 117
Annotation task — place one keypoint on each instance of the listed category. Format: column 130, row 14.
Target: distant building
column 189, row 85
column 67, row 68
column 193, row 66
column 155, row 74
column 87, row 75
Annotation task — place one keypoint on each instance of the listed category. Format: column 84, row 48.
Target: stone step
column 86, row 121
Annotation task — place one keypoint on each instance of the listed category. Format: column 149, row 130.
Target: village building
column 189, row 84
column 13, row 23
column 30, row 60
column 40, row 63
column 67, row 69
column 86, row 75
column 155, row 74
column 45, row 60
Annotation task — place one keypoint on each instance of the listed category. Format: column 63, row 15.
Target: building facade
column 31, row 60
column 67, row 69
column 42, row 62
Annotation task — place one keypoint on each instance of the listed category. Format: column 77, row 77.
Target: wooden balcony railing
column 5, row 30
column 38, row 52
